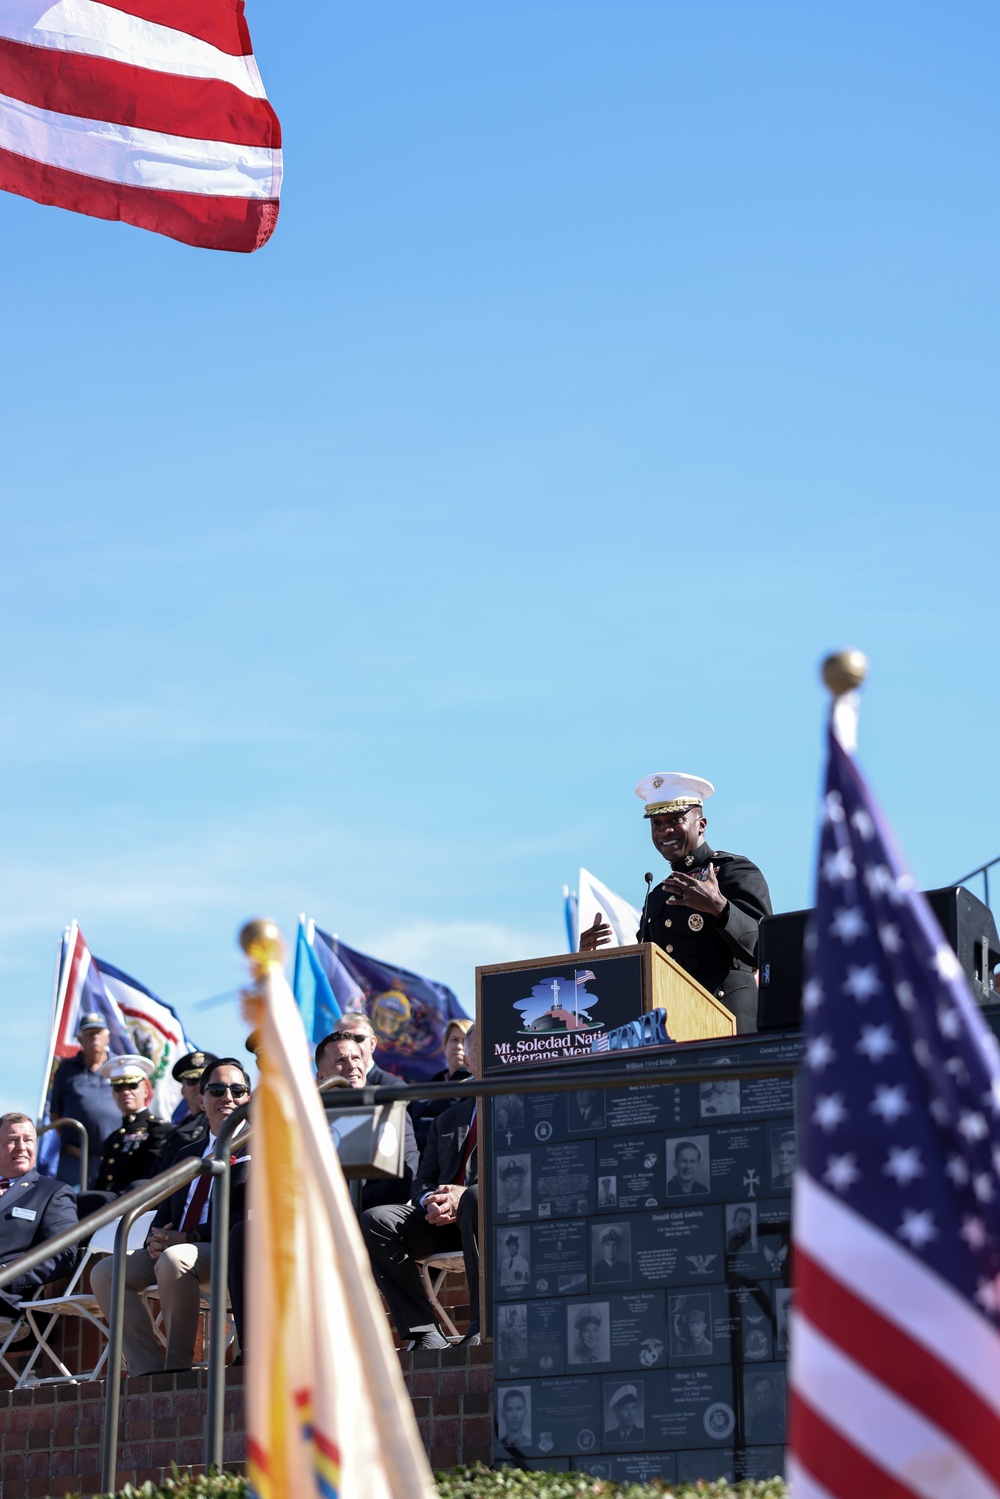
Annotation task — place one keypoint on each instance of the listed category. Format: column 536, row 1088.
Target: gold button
column 668, row 923
column 669, row 947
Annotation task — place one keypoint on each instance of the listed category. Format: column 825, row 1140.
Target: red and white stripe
column 895, row 1378
column 73, row 977
column 148, row 111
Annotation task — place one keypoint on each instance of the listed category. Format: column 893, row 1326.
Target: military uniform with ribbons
column 132, row 1152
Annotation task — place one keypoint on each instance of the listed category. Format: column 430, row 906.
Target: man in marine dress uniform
column 131, row 1152
column 192, row 1125
column 705, row 914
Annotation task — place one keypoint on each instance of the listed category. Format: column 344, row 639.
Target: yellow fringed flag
column 328, row 1414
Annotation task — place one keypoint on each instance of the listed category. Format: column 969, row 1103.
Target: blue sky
column 609, row 365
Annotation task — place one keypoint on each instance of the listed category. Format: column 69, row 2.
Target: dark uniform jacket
column 721, row 955
column 35, row 1208
column 442, row 1155
column 172, row 1209
column 132, row 1152
column 191, row 1128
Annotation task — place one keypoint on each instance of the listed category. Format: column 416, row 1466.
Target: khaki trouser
column 179, row 1273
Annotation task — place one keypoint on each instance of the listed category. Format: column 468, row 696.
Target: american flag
column 895, row 1367
column 148, row 111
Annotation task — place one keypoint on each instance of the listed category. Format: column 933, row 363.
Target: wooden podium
column 543, row 1010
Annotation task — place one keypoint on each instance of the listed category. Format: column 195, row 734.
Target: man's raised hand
column 597, row 935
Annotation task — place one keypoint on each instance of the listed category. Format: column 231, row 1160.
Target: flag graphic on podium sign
column 895, row 1367
column 328, row 1413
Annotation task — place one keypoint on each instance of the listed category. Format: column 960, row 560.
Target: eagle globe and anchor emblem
column 558, row 1006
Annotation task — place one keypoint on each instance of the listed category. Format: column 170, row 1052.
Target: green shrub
column 483, row 1483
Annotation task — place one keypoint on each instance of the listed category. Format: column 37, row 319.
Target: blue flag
column 311, row 987
column 409, row 1013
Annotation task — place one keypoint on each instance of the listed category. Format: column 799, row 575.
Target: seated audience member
column 33, row 1208
column 424, row 1110
column 442, row 1217
column 357, row 1027
column 178, row 1251
column 132, row 1152
column 189, row 1117
column 338, row 1056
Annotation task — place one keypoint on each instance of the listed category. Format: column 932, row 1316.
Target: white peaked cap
column 120, row 1068
column 672, row 791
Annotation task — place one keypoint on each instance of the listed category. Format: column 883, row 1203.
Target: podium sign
column 547, row 1009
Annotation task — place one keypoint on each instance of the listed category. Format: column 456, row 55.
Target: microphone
column 642, row 922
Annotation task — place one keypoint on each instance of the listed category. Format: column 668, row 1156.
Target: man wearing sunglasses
column 132, row 1152
column 178, row 1251
column 357, row 1027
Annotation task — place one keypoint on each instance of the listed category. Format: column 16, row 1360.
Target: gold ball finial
column 843, row 671
column 262, row 942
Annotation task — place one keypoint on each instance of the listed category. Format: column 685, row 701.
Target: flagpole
column 59, row 986
column 843, row 673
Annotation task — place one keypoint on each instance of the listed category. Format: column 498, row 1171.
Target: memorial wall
column 639, row 1269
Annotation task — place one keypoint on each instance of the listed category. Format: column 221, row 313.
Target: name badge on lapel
column 28, row 1213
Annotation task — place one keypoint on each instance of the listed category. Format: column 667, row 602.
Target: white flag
column 328, row 1412
column 622, row 918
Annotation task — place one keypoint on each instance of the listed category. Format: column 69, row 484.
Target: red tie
column 198, row 1198
column 5, row 1182
column 467, row 1149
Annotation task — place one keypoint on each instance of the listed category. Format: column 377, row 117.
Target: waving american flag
column 896, row 1350
column 148, row 111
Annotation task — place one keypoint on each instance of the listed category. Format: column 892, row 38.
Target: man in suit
column 442, row 1216
column 340, row 1056
column 357, row 1027
column 178, row 1251
column 33, row 1208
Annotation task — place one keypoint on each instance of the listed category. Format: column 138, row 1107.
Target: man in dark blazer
column 706, row 913
column 442, row 1217
column 33, row 1208
column 178, row 1250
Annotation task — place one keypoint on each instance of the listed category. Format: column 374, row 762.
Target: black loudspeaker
column 965, row 921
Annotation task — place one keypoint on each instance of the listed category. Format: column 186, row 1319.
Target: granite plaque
column 670, row 1106
column 692, row 1407
column 630, row 1173
column 633, row 1467
column 559, row 1257
column 615, row 1331
column 523, row 1119
column 564, row 1179
column 549, row 1417
column 679, row 1246
column 707, row 1464
column 760, row 1463
column 530, row 1339
column 738, row 1167
column 700, row 1326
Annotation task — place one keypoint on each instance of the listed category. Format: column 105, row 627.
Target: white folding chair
column 434, row 1270
column 13, row 1330
column 76, row 1303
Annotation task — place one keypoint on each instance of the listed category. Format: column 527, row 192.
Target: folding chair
column 151, row 1296
column 434, row 1270
column 13, row 1330
column 76, row 1303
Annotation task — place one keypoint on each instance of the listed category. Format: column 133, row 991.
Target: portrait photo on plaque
column 513, row 1196
column 764, row 1405
column 585, row 1113
column 512, row 1334
column 635, row 1164
column 741, row 1228
column 782, row 1141
column 783, row 1317
column 611, row 1254
column 513, row 1408
column 588, row 1334
column 624, row 1412
column 607, row 1191
column 691, row 1327
column 513, row 1261
column 688, row 1166
column 721, row 1095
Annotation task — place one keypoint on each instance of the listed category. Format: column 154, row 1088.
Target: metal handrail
column 984, row 870
column 216, row 1414
column 43, row 1129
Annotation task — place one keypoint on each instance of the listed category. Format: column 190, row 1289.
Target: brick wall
column 50, row 1435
